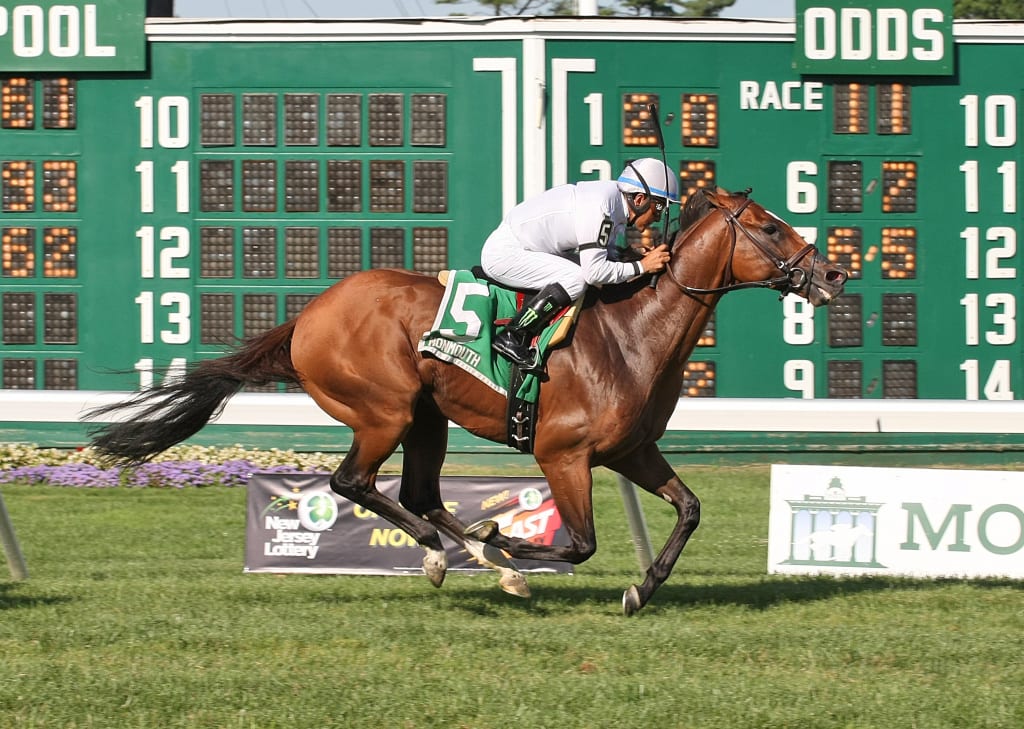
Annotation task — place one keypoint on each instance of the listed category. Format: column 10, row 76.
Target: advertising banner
column 905, row 521
column 295, row 523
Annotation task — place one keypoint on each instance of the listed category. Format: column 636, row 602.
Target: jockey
column 558, row 242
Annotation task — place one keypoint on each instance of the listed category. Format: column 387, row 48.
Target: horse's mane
column 697, row 206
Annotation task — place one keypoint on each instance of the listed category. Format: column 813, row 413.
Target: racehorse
column 353, row 349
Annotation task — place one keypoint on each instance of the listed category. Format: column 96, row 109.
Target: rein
column 792, row 278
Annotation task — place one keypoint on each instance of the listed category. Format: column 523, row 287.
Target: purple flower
column 160, row 474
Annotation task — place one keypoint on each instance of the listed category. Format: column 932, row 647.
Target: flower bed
column 178, row 467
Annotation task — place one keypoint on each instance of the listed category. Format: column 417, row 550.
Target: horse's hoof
column 514, row 584
column 631, row 601
column 483, row 530
column 435, row 566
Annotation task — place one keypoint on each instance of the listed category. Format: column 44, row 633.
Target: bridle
column 793, row 278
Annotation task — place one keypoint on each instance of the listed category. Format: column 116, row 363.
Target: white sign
column 906, row 521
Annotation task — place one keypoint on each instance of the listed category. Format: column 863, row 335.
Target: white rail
column 691, row 414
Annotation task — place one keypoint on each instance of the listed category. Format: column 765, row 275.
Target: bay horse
column 353, row 349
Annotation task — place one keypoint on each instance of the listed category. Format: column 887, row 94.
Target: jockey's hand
column 654, row 260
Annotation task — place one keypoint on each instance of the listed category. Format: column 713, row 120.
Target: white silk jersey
column 563, row 219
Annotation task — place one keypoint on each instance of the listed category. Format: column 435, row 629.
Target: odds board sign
column 153, row 214
column 874, row 38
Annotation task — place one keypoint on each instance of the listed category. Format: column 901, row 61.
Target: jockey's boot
column 537, row 312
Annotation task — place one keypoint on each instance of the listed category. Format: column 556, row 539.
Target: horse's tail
column 159, row 417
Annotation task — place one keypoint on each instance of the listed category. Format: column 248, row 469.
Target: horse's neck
column 650, row 335
column 672, row 320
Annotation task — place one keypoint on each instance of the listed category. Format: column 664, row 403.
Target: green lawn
column 137, row 614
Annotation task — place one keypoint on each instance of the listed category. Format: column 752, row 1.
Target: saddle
column 522, row 389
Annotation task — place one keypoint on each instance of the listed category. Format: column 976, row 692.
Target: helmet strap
column 636, row 210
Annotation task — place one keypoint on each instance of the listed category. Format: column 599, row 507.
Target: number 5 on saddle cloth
column 462, row 334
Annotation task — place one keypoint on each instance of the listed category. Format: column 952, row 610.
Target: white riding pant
column 508, row 261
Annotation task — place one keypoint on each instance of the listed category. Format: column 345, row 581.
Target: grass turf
column 137, row 614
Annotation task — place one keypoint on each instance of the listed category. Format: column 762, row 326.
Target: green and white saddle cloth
column 465, row 325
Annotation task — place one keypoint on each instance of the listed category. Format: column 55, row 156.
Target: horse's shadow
column 10, row 600
column 762, row 595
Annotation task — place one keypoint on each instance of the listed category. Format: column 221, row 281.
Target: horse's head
column 765, row 251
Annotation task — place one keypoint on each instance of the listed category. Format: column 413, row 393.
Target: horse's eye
column 770, row 229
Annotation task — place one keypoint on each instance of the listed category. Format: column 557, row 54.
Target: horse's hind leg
column 356, row 478
column 424, row 447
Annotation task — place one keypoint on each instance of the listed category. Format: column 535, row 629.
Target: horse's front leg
column 571, row 485
column 649, row 470
column 510, row 579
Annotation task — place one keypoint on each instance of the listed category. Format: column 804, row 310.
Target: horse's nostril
column 836, row 276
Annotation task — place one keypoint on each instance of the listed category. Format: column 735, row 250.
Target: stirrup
column 522, row 358
column 530, row 364
column 535, row 368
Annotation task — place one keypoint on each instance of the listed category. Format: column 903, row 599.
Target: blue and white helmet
column 648, row 175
